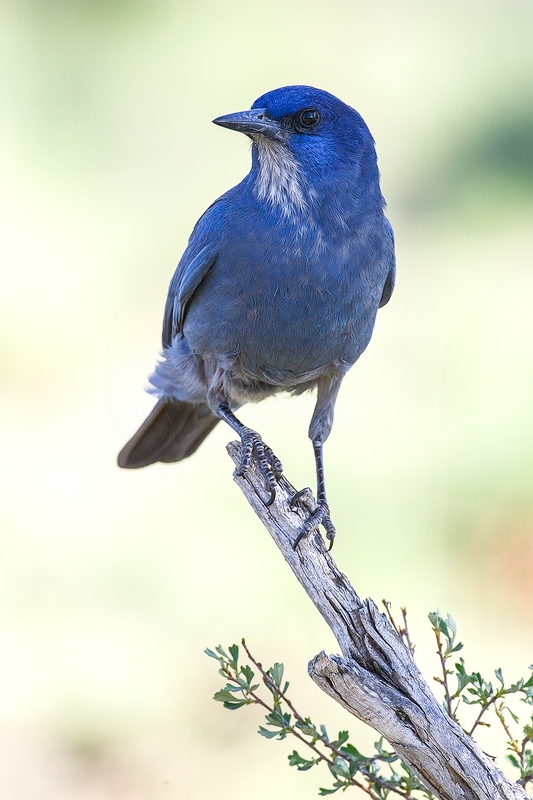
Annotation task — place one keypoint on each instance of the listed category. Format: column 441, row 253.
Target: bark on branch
column 376, row 678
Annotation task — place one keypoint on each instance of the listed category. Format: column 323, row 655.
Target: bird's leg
column 270, row 466
column 321, row 492
column 320, row 515
column 327, row 389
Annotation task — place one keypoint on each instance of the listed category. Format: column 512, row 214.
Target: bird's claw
column 270, row 466
column 320, row 515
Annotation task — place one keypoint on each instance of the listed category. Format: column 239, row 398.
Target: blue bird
column 278, row 288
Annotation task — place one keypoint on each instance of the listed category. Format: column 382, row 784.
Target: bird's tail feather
column 174, row 430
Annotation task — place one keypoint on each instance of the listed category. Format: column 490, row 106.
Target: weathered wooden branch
column 376, row 678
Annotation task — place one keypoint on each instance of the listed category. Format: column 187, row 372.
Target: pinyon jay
column 278, row 288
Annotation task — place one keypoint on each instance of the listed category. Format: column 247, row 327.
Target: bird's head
column 304, row 139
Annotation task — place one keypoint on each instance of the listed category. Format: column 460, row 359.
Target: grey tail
column 174, row 430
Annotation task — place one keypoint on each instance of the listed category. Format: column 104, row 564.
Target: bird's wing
column 195, row 263
column 388, row 286
column 186, row 280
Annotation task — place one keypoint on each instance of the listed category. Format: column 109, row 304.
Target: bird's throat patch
column 279, row 179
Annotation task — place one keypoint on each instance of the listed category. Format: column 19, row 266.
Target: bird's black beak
column 253, row 121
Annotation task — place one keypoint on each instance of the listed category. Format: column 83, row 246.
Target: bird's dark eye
column 308, row 118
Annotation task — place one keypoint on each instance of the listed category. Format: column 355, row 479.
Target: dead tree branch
column 376, row 678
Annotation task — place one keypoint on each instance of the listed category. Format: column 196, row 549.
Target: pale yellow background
column 112, row 583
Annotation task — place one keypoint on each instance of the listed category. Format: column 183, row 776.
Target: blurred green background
column 112, row 583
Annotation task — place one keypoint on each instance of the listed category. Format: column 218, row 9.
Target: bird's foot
column 320, row 515
column 270, row 466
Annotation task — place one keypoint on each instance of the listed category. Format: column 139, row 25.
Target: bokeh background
column 112, row 583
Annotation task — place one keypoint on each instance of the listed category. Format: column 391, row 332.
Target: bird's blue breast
column 287, row 296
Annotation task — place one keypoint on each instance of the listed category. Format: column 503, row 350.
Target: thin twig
column 512, row 741
column 403, row 633
column 525, row 741
column 481, row 713
column 445, row 673
column 520, row 751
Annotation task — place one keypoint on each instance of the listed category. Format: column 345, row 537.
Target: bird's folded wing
column 195, row 263
column 186, row 280
column 388, row 287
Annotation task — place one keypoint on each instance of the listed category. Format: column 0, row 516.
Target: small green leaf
column 276, row 674
column 210, row 653
column 341, row 739
column 233, row 705
column 529, row 682
column 241, row 683
column 222, row 696
column 267, row 734
column 302, row 764
column 340, row 768
column 450, row 622
column 234, row 653
column 230, row 688
column 248, row 673
column 463, row 679
column 307, row 728
column 434, row 618
column 278, row 719
column 353, row 753
column 225, row 696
